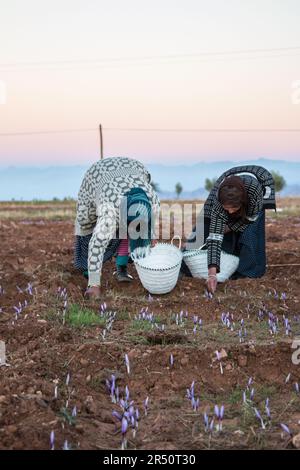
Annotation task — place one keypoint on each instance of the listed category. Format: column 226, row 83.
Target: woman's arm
column 104, row 231
column 215, row 239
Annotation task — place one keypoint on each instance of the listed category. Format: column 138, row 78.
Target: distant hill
column 27, row 183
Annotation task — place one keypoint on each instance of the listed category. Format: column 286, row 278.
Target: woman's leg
column 122, row 261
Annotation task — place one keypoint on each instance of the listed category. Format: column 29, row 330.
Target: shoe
column 122, row 274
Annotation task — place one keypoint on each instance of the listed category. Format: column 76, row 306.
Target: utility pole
column 101, row 142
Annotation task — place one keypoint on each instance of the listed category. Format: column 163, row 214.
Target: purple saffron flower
column 52, row 439
column 297, row 387
column 74, row 412
column 146, row 404
column 124, row 426
column 258, row 415
column 117, row 415
column 131, row 411
column 206, row 420
column 171, row 360
column 285, row 428
column 66, row 446
column 68, row 379
column 268, row 413
column 217, row 411
column 127, row 364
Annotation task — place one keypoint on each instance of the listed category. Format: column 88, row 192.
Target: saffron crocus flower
column 285, row 428
column 250, row 381
column 258, row 415
column 52, row 439
column 74, row 412
column 195, row 404
column 127, row 364
column 66, row 446
column 146, row 403
column 124, row 428
column 171, row 360
column 297, row 387
column 67, row 379
column 117, row 415
column 288, row 378
column 219, row 413
column 206, row 421
column 29, row 289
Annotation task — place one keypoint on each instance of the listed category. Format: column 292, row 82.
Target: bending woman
column 234, row 221
column 115, row 192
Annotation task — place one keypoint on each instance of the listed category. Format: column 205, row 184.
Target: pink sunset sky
column 159, row 65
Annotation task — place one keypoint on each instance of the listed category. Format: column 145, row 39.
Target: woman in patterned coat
column 114, row 193
column 233, row 220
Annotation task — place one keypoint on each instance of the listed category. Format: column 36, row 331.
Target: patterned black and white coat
column 98, row 204
column 260, row 188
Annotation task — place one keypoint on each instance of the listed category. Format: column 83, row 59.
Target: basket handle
column 178, row 238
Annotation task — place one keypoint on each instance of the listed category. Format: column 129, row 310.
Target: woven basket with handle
column 196, row 261
column 159, row 271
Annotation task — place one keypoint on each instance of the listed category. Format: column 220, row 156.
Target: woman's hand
column 212, row 284
column 93, row 293
column 212, row 280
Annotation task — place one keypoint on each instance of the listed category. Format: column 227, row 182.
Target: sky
column 153, row 74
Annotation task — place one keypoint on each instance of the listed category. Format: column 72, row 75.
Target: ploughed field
column 235, row 349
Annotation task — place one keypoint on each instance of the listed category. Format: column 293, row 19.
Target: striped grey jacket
column 98, row 205
column 261, row 195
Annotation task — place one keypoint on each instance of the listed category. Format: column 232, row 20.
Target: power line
column 169, row 57
column 62, row 131
column 111, row 129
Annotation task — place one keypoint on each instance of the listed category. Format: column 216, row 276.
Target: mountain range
column 45, row 183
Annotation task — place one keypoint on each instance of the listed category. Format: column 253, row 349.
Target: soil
column 42, row 350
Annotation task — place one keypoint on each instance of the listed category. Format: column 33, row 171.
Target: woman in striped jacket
column 234, row 221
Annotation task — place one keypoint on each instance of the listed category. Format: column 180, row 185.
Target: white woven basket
column 196, row 261
column 159, row 271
